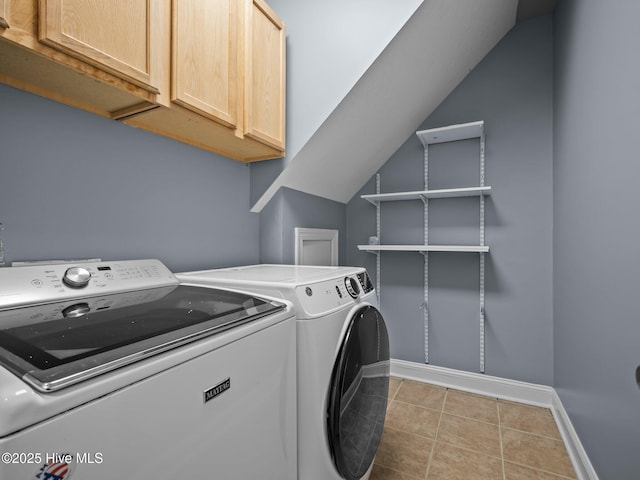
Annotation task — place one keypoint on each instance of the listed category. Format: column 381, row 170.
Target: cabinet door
column 123, row 37
column 265, row 76
column 205, row 58
column 4, row 13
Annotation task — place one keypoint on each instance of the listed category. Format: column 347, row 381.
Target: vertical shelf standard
column 451, row 134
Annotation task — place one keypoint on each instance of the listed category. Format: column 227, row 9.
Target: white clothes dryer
column 342, row 356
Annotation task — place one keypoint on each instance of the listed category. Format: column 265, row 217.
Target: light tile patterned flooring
column 435, row 433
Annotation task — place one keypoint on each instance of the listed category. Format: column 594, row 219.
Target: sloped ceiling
column 439, row 45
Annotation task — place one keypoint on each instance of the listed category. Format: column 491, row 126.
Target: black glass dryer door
column 358, row 394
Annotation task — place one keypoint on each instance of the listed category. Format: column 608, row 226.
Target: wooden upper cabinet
column 209, row 73
column 123, row 37
column 204, row 67
column 264, row 101
column 227, row 77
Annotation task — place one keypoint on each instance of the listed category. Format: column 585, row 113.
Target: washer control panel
column 33, row 284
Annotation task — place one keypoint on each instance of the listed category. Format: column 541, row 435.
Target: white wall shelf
column 432, row 136
column 451, row 133
column 425, row 248
column 424, row 194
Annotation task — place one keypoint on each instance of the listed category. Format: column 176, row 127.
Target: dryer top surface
column 282, row 275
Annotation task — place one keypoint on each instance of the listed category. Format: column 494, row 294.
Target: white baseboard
column 513, row 390
column 581, row 462
column 529, row 393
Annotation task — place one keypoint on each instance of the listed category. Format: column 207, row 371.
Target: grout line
column 535, row 434
column 397, row 389
column 402, row 474
column 423, row 407
column 435, row 437
column 549, row 472
column 473, row 419
column 471, row 450
column 504, row 471
column 389, row 427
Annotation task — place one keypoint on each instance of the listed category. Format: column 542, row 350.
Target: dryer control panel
column 325, row 297
column 365, row 282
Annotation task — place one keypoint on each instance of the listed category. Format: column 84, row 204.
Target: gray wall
column 596, row 228
column 330, row 44
column 290, row 209
column 511, row 90
column 74, row 185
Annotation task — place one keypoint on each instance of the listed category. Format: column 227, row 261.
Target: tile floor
column 435, row 433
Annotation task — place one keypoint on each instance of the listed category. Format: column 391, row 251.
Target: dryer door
column 358, row 394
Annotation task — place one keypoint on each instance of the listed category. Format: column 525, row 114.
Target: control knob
column 77, row 310
column 76, row 277
column 352, row 286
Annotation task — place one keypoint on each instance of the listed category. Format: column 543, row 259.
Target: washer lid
column 56, row 345
column 358, row 394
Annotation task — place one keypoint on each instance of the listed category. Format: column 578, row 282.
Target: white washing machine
column 116, row 370
column 343, row 361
